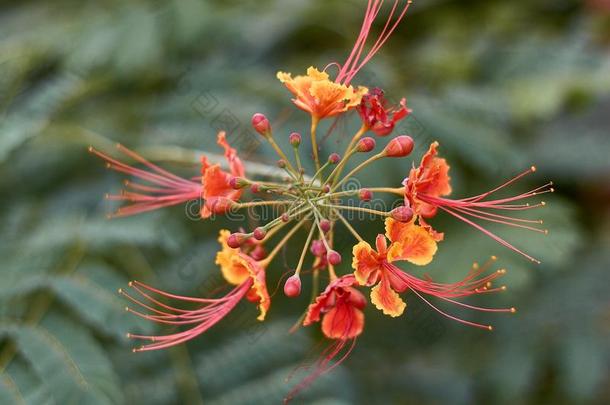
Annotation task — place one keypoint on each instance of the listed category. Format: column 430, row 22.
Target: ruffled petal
column 386, row 299
column 259, row 285
column 409, row 242
column 365, row 263
column 236, row 167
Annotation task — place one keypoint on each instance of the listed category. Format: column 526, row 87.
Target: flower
column 340, row 308
column 319, row 96
column 377, row 115
column 238, row 269
column 217, row 190
column 163, row 189
column 409, row 242
column 427, row 184
column 376, row 268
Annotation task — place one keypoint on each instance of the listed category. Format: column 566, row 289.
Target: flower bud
column 255, row 188
column 237, row 183
column 285, row 217
column 292, row 287
column 365, row 194
column 259, row 233
column 317, row 248
column 402, row 214
column 281, row 163
column 334, row 158
column 366, row 144
column 326, row 188
column 325, row 225
column 219, row 205
column 333, row 257
column 260, row 123
column 400, row 146
column 295, row 139
column 235, row 240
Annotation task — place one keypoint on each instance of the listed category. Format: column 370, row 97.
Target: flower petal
column 365, row 263
column 343, row 322
column 409, row 242
column 387, row 300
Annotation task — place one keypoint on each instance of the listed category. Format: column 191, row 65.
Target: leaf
column 66, row 359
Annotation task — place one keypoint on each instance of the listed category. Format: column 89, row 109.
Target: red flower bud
column 281, row 163
column 259, row 233
column 295, row 139
column 325, row 225
column 261, row 124
column 402, row 214
column 366, row 144
column 400, row 146
column 333, row 257
column 326, row 188
column 334, row 158
column 235, row 240
column 317, row 248
column 238, row 183
column 285, row 217
column 365, row 194
column 292, row 287
column 255, row 188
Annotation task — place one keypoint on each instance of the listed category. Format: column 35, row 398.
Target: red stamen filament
column 476, row 207
column 171, row 190
column 210, row 313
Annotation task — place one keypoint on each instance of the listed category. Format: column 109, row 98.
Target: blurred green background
column 500, row 84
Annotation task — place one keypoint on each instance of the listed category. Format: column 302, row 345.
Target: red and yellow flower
column 238, row 269
column 409, row 242
column 428, row 184
column 319, row 96
column 218, row 193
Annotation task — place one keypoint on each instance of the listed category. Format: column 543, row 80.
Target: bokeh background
column 501, row 84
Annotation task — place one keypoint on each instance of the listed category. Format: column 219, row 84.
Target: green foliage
column 501, row 85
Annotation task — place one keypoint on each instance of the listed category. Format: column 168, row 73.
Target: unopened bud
column 325, row 225
column 255, row 188
column 238, row 183
column 259, row 233
column 366, row 144
column 261, row 124
column 402, row 214
column 295, row 139
column 317, row 248
column 235, row 240
column 334, row 158
column 281, row 163
column 333, row 257
column 400, row 146
column 292, row 287
column 285, row 217
column 326, row 188
column 365, row 194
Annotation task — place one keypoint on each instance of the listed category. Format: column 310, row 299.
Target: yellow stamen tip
column 494, row 258
column 489, row 327
column 90, row 148
column 128, row 335
column 543, row 203
column 126, row 309
column 546, row 231
column 130, row 284
column 134, row 350
column 120, row 291
column 533, row 168
column 503, row 288
column 513, row 310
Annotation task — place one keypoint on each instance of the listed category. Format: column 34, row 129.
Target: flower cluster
column 317, row 206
